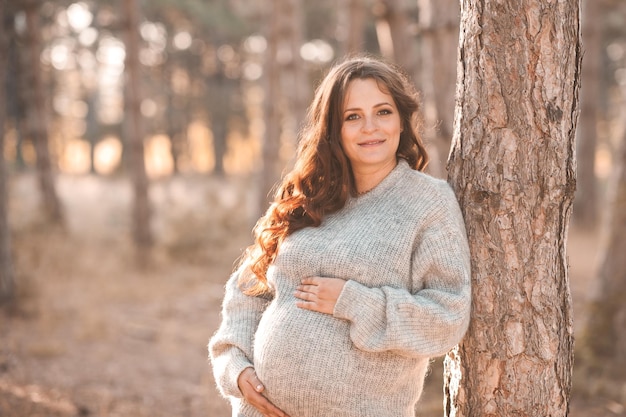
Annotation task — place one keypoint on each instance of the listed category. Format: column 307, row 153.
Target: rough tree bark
column 585, row 204
column 7, row 278
column 439, row 40
column 142, row 234
column 512, row 166
column 36, row 114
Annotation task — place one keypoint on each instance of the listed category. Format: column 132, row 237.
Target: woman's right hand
column 251, row 388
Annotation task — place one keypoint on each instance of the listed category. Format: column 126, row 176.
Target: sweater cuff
column 236, row 364
column 348, row 298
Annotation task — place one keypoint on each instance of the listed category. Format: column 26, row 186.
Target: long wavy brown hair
column 322, row 178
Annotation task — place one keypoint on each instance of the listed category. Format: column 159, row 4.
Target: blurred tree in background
column 134, row 126
column 603, row 351
column 586, row 202
column 439, row 38
column 36, row 123
column 7, row 278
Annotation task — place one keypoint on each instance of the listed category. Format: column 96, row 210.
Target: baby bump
column 306, row 361
column 296, row 350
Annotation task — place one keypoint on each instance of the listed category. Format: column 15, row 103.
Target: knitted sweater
column 403, row 252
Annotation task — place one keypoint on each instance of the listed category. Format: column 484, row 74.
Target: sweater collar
column 388, row 182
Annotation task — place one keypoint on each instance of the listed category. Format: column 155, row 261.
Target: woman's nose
column 369, row 124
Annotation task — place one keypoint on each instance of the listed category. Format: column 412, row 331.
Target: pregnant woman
column 360, row 269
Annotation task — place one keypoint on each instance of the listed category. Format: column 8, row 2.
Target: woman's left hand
column 319, row 294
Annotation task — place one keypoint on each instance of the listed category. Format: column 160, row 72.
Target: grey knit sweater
column 403, row 252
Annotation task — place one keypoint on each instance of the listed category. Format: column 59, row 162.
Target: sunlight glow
column 200, row 139
column 317, row 50
column 107, row 155
column 75, row 157
column 615, row 51
column 149, row 108
column 604, row 162
column 88, row 36
column 111, row 52
column 158, row 156
column 155, row 34
column 252, row 71
column 79, row 16
column 255, row 44
column 61, row 57
column 182, row 40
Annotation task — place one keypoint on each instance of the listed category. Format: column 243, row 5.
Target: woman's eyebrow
column 384, row 103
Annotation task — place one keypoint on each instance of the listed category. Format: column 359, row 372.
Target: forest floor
column 94, row 333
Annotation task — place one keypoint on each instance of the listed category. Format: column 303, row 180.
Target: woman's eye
column 384, row 111
column 352, row 117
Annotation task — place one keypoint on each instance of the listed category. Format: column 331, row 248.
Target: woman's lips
column 373, row 142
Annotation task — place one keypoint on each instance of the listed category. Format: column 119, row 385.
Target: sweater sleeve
column 231, row 347
column 429, row 321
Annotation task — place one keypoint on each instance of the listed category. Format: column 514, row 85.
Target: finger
column 309, row 281
column 259, row 402
column 251, row 378
column 268, row 408
column 308, row 288
column 255, row 382
column 306, row 296
column 265, row 406
column 306, row 305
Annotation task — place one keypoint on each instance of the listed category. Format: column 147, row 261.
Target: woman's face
column 370, row 132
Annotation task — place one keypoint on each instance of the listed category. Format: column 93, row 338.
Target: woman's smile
column 373, row 142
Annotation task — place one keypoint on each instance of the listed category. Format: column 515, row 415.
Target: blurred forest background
column 140, row 142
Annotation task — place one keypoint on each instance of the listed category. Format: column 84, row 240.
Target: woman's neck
column 367, row 179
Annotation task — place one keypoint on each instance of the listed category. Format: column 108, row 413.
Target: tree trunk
column 286, row 91
column 512, row 166
column 396, row 41
column 15, row 106
column 36, row 113
column 133, row 122
column 272, row 165
column 605, row 334
column 220, row 107
column 439, row 40
column 174, row 120
column 295, row 86
column 585, row 204
column 7, row 278
column 92, row 132
column 351, row 26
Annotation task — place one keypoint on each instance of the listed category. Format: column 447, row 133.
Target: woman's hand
column 319, row 294
column 251, row 388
